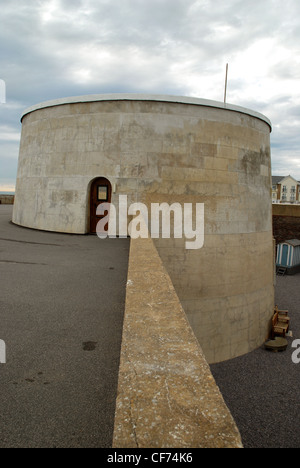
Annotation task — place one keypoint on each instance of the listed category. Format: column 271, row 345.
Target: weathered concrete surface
column 143, row 147
column 166, row 151
column 167, row 396
column 61, row 314
column 144, row 97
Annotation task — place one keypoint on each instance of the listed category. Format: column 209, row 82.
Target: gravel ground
column 262, row 388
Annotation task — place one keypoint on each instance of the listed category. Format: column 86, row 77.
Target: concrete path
column 61, row 315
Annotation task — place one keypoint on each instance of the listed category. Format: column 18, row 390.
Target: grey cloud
column 144, row 46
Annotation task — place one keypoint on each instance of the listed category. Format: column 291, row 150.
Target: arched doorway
column 100, row 193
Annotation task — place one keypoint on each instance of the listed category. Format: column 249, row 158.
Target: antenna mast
column 225, row 93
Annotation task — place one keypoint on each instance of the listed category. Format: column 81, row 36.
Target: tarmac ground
column 61, row 315
column 262, row 388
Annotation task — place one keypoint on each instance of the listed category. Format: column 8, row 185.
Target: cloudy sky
column 59, row 48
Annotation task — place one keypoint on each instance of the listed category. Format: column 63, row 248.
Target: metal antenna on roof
column 226, row 77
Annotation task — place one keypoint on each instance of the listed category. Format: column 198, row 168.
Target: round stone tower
column 76, row 152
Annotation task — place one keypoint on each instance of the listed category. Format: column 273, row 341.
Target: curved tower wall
column 166, row 149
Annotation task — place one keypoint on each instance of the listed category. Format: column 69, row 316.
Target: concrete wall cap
column 147, row 97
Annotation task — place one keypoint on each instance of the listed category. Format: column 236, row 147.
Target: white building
column 285, row 190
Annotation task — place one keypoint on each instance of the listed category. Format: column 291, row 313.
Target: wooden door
column 100, row 193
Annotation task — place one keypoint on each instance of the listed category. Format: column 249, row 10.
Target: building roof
column 293, row 242
column 148, row 97
column 278, row 179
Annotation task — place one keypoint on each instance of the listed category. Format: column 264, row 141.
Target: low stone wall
column 286, row 222
column 167, row 396
column 7, row 199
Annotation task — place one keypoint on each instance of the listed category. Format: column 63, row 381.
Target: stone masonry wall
column 174, row 152
column 167, row 396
